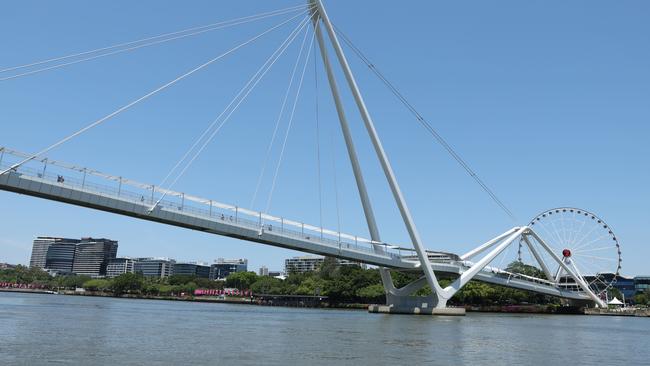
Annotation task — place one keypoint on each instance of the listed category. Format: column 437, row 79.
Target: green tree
column 97, row 285
column 127, row 283
column 311, row 286
column 268, row 285
column 206, row 283
column 525, row 269
column 180, row 279
column 72, row 281
column 614, row 292
column 241, row 280
column 642, row 298
column 24, row 275
column 328, row 268
column 372, row 293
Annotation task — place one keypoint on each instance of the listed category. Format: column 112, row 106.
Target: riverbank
column 619, row 312
column 303, row 302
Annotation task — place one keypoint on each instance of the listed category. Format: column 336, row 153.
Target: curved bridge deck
column 75, row 186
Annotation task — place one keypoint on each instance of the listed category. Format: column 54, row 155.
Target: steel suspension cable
column 427, row 126
column 216, row 26
column 155, row 91
column 170, row 34
column 277, row 122
column 286, row 136
column 239, row 98
column 281, row 48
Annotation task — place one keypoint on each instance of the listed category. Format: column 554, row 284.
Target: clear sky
column 548, row 101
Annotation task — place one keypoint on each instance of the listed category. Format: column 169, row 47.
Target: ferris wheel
column 584, row 243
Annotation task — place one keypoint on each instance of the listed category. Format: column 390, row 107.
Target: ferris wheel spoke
column 591, row 242
column 560, row 242
column 574, row 224
column 582, row 226
column 594, row 249
column 599, row 258
column 586, row 236
column 551, row 236
column 589, row 268
column 566, row 226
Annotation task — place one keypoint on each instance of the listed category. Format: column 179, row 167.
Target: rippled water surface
column 72, row 330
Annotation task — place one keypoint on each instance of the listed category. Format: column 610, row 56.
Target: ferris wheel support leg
column 579, row 280
column 538, row 258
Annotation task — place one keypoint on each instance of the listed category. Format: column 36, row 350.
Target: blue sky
column 548, row 102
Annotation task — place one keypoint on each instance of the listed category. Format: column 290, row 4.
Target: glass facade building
column 154, row 267
column 626, row 286
column 192, row 269
column 60, row 257
column 93, row 255
column 641, row 283
column 40, row 247
column 223, row 267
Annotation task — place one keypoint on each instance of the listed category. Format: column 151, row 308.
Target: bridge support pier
column 417, row 305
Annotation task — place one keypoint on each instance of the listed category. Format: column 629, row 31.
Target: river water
column 72, row 330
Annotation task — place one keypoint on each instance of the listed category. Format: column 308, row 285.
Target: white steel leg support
column 538, row 258
column 379, row 150
column 466, row 276
column 487, row 245
column 569, row 271
column 352, row 154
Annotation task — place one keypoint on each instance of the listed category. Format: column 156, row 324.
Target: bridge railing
column 92, row 181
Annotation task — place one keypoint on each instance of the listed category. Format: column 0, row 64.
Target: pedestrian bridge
column 62, row 182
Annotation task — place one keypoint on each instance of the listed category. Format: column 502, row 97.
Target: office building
column 92, row 256
column 277, row 274
column 39, row 249
column 626, row 286
column 154, row 267
column 192, row 269
column 302, row 264
column 60, row 257
column 310, row 263
column 641, row 283
column 221, row 268
column 264, row 271
column 119, row 266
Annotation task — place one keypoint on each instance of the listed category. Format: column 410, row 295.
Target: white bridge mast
column 440, row 295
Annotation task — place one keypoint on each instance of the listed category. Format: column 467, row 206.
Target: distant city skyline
column 548, row 104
